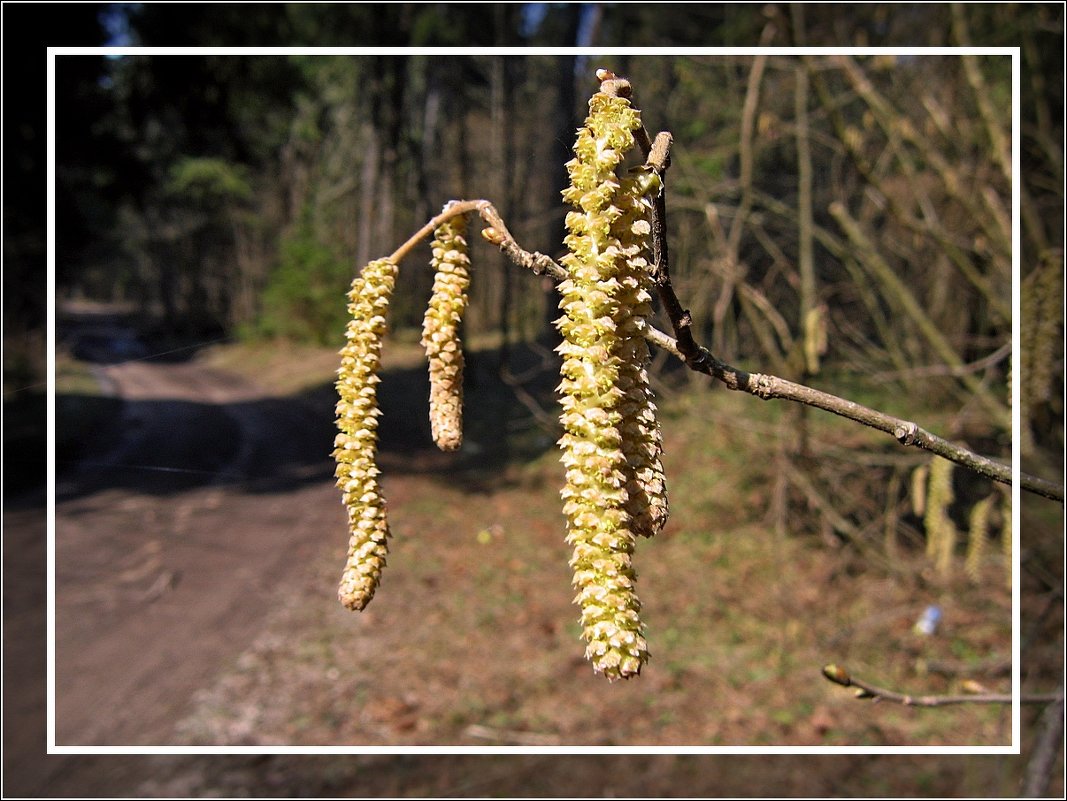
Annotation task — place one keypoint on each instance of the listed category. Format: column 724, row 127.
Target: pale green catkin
column 594, row 302
column 440, row 332
column 918, row 489
column 941, row 534
column 356, row 444
column 977, row 534
column 1040, row 339
column 1040, row 335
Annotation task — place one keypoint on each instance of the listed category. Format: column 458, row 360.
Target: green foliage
column 710, row 166
column 209, row 182
column 304, row 299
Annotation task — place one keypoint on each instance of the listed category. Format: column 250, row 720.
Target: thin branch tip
column 866, row 691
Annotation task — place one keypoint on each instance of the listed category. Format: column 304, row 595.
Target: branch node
column 612, row 85
column 492, row 235
column 762, row 386
column 703, row 361
column 659, row 159
column 906, row 433
column 837, row 674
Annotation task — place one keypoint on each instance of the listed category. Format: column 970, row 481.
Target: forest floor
column 199, row 539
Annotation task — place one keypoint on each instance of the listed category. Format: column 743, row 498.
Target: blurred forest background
column 236, row 195
column 814, row 200
column 843, row 221
column 827, row 212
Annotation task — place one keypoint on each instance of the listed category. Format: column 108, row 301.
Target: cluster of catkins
column 356, row 444
column 611, row 443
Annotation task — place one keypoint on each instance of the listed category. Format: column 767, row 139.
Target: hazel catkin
column 356, row 443
column 599, row 300
column 440, row 332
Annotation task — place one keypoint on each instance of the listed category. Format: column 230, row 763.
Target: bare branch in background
column 864, row 690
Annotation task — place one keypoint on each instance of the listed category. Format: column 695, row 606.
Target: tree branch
column 838, row 675
column 904, row 431
column 699, row 359
column 452, row 209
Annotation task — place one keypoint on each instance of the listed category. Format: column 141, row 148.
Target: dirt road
column 174, row 536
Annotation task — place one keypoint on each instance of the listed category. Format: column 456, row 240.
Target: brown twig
column 658, row 156
column 839, row 675
column 453, row 209
column 699, row 359
column 997, row 356
column 994, row 666
column 495, row 232
column 770, row 387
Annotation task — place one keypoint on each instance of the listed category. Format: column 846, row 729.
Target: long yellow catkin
column 356, row 444
column 440, row 333
column 594, row 495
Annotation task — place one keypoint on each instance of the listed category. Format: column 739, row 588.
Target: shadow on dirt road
column 176, row 529
column 184, row 426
